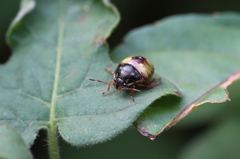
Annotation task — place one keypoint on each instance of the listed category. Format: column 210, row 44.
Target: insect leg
column 109, row 85
column 108, row 70
column 153, row 79
column 148, row 84
column 99, row 81
column 132, row 91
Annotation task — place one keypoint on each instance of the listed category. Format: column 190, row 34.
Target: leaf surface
column 198, row 52
column 222, row 138
column 12, row 145
column 58, row 45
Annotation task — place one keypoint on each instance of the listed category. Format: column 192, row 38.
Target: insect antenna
column 101, row 81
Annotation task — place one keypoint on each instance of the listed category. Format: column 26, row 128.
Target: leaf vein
column 28, row 95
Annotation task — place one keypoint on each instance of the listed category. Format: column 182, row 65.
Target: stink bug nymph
column 131, row 72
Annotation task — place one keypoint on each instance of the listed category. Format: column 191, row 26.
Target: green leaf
column 221, row 139
column 12, row 145
column 198, row 52
column 57, row 47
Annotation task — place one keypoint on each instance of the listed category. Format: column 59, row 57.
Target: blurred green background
column 211, row 131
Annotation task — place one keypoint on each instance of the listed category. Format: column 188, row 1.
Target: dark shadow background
column 130, row 144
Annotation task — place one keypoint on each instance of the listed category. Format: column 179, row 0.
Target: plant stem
column 53, row 147
column 52, row 131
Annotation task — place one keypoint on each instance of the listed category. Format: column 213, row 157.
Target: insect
column 131, row 72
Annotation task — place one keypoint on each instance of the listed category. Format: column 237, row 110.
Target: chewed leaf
column 58, row 46
column 198, row 52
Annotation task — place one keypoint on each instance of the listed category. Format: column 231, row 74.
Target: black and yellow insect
column 131, row 72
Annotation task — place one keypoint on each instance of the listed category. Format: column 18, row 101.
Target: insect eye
column 119, row 82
